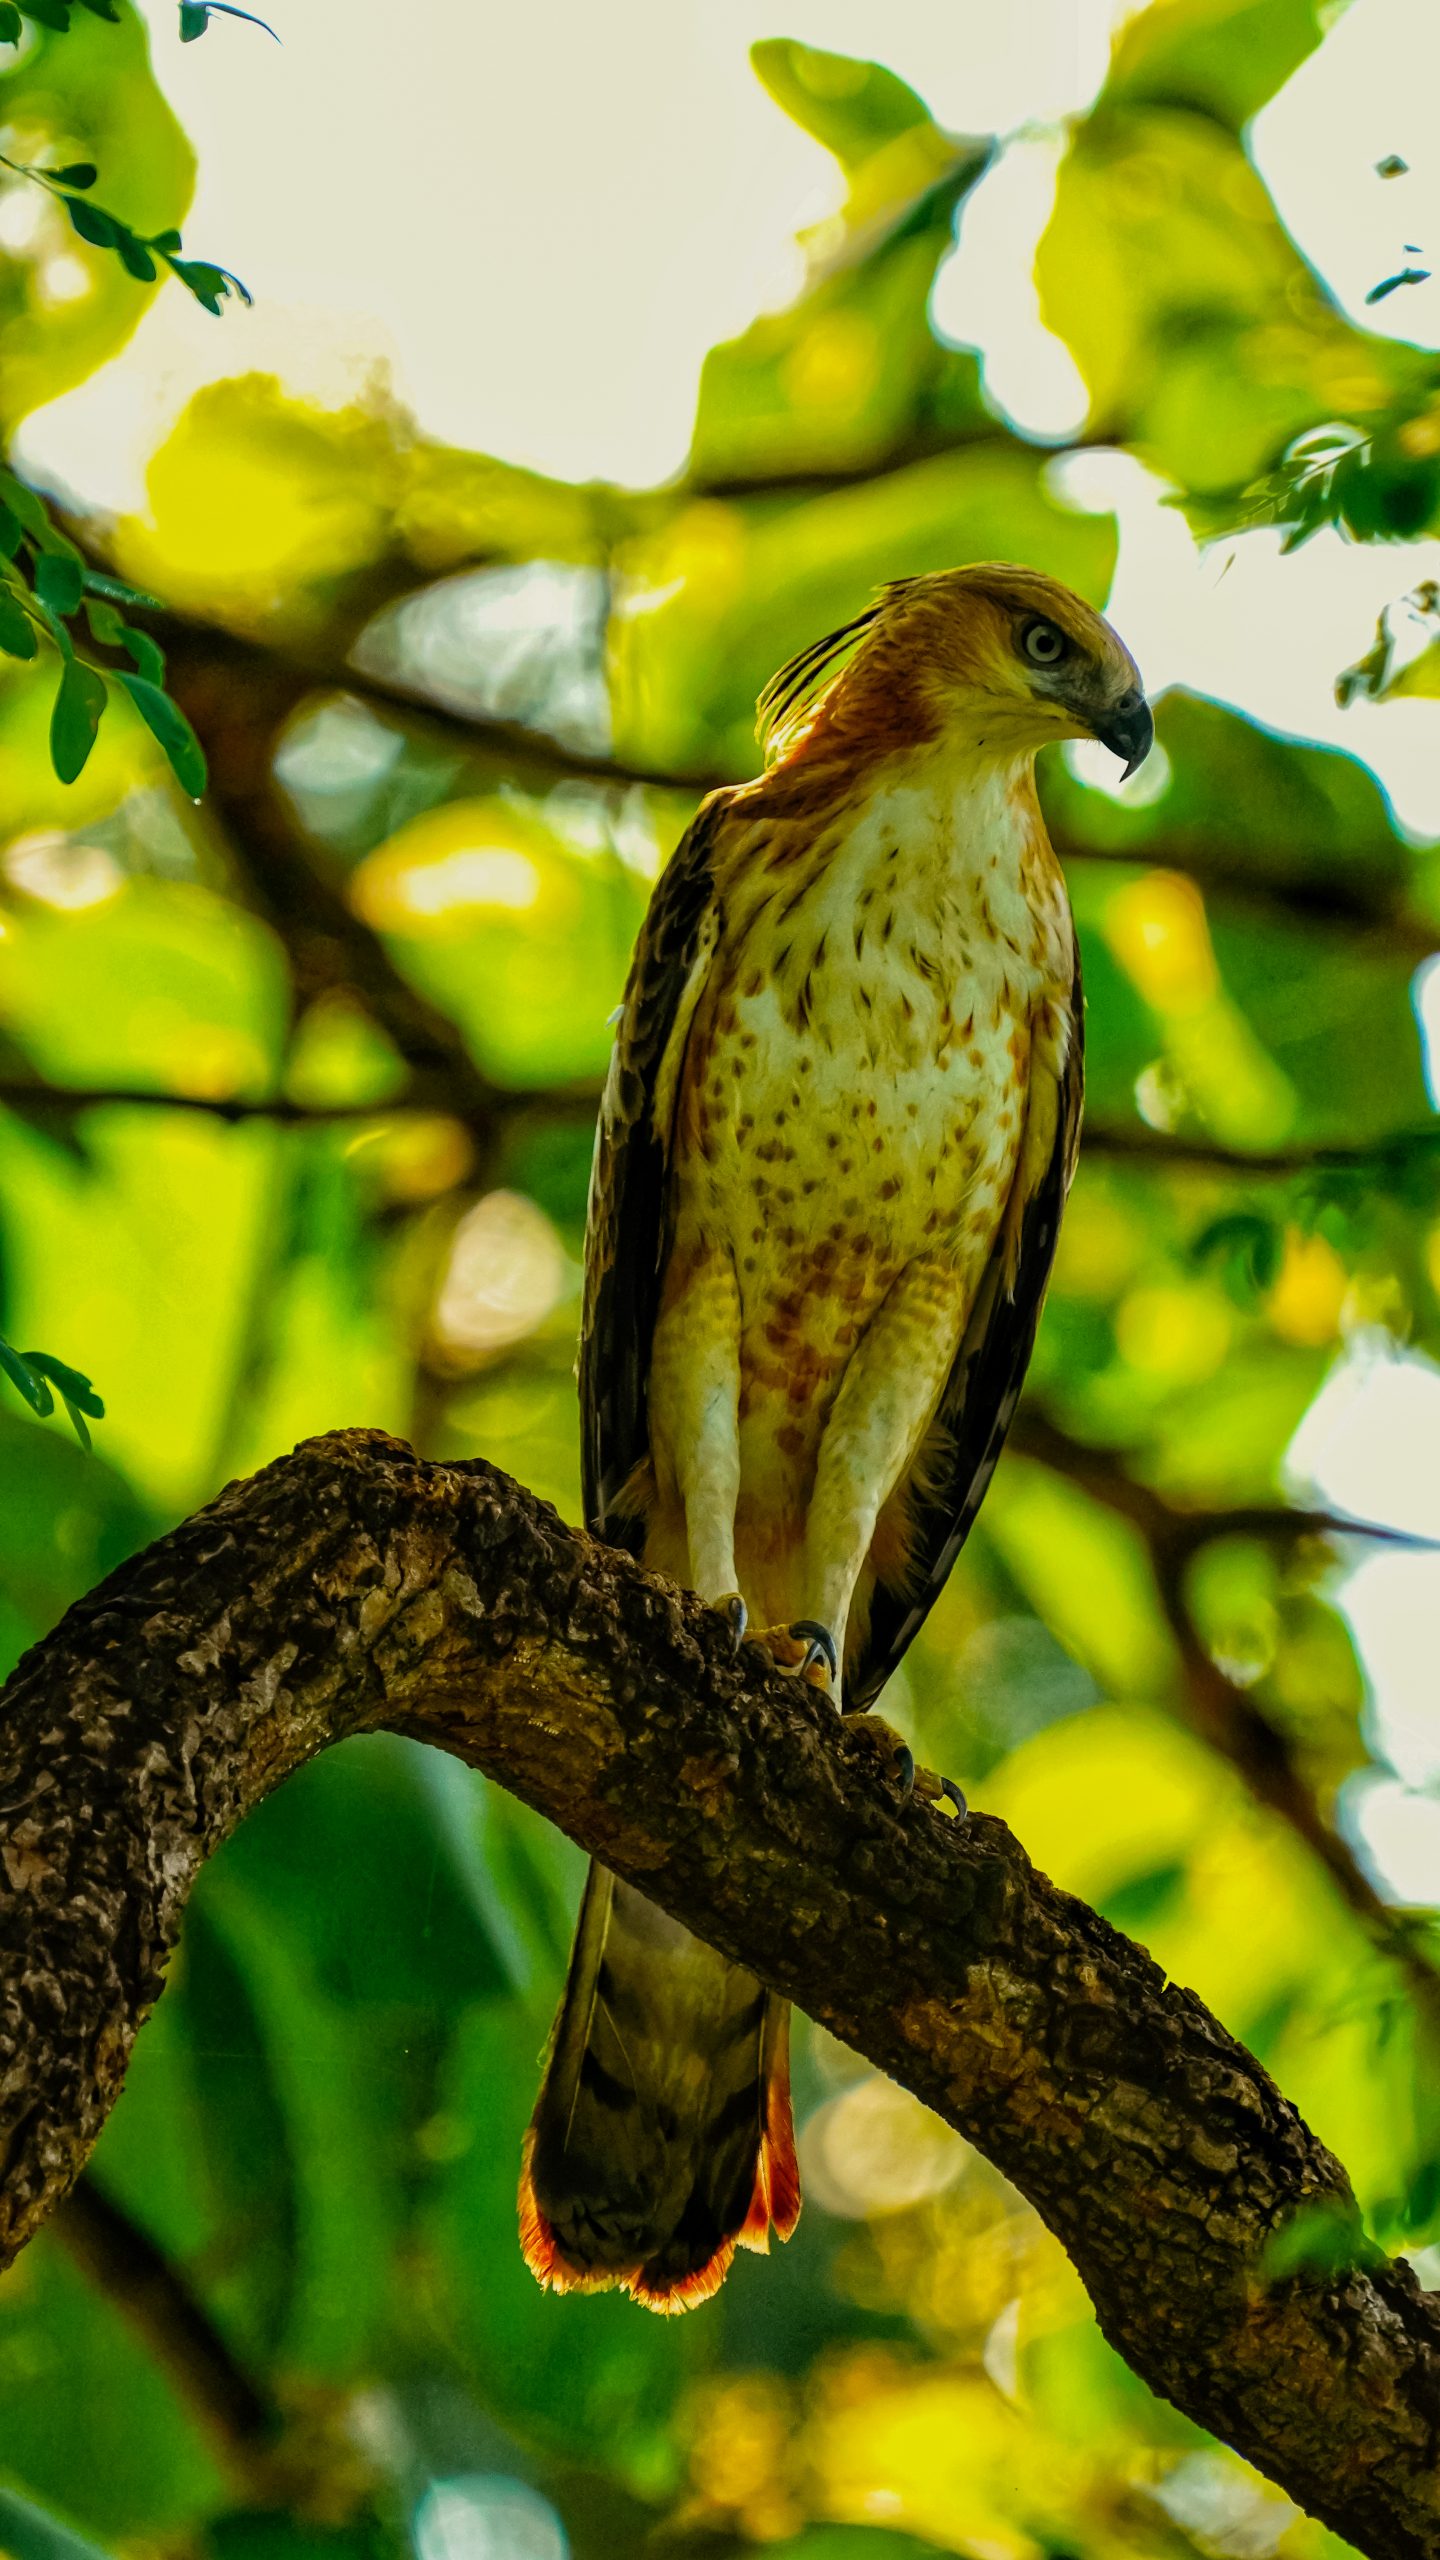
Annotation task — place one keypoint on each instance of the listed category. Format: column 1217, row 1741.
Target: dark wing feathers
column 626, row 1235
column 979, row 1402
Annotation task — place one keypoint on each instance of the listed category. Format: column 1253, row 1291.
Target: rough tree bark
column 349, row 1588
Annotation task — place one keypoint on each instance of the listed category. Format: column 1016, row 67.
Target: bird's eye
column 1044, row 644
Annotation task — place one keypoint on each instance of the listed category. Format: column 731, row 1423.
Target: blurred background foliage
column 296, row 1089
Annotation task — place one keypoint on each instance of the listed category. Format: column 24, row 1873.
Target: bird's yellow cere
column 833, row 1151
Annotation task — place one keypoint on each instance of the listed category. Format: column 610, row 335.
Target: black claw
column 956, row 1796
column 737, row 1617
column 819, row 1644
column 904, row 1767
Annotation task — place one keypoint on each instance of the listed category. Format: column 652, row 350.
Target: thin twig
column 1226, row 1716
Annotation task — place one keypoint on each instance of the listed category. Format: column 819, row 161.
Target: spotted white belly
column 861, row 1084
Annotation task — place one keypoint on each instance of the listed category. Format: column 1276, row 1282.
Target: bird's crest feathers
column 796, row 691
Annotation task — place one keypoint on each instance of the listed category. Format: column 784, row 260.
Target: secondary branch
column 349, row 1588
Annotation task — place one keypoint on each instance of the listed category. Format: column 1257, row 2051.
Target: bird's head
column 998, row 658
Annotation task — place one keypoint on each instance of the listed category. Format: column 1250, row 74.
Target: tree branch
column 1140, row 1144
column 210, row 667
column 1223, row 1714
column 505, row 1107
column 328, row 945
column 349, row 1588
column 509, row 1105
column 240, row 2421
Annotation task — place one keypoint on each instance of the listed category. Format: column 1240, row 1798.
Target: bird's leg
column 694, row 1415
column 879, row 1418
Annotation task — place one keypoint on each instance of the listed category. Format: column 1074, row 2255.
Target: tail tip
column 539, row 2245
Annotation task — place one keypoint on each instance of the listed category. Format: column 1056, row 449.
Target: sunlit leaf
column 1223, row 58
column 853, row 107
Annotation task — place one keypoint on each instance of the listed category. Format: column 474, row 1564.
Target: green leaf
column 12, row 25
column 1392, row 284
column 76, row 173
column 58, row 581
column 48, row 13
column 1247, row 1247
column 97, row 584
column 1221, row 59
column 105, row 622
column 167, row 722
column 852, row 107
column 103, row 9
column 92, row 222
column 23, row 502
column 18, row 1370
column 17, row 631
column 164, row 241
column 56, row 627
column 113, row 632
column 12, row 532
column 73, row 1384
column 79, row 705
column 147, row 654
column 28, row 2533
column 1422, row 2201
column 204, row 10
column 135, row 257
column 208, row 283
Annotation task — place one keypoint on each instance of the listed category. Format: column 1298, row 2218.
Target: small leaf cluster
column 45, row 587
column 40, row 1377
column 58, row 15
column 1381, row 486
column 136, row 251
column 1340, row 1201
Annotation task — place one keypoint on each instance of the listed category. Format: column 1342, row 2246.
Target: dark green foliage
column 37, row 1373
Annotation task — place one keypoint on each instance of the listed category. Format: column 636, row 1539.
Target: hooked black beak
column 1128, row 731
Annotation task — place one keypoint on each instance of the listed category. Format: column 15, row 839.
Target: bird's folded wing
column 627, row 1233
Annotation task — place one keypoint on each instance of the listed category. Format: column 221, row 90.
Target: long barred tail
column 662, row 2135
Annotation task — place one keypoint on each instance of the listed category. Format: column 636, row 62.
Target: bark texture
column 349, row 1588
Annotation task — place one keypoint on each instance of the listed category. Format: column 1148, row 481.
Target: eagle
column 836, row 1138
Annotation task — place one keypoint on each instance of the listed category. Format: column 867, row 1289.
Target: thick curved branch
column 349, row 1588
